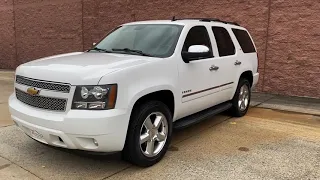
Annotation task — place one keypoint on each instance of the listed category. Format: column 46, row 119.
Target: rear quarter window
column 244, row 40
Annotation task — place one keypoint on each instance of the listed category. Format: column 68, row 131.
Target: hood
column 80, row 68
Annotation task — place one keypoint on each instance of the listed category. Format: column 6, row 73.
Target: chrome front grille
column 54, row 104
column 65, row 88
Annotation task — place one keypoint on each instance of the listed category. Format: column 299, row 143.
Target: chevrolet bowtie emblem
column 33, row 91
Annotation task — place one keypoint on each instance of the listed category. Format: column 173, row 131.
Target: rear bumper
column 255, row 80
column 100, row 131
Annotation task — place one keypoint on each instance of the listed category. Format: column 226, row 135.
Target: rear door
column 225, row 79
column 249, row 54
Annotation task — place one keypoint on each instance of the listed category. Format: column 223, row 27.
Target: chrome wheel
column 153, row 134
column 244, row 96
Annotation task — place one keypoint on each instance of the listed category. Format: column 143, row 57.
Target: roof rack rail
column 206, row 20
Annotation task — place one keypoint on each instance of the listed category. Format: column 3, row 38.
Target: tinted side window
column 244, row 40
column 197, row 35
column 224, row 42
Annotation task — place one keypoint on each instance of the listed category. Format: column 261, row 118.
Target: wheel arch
column 164, row 95
column 247, row 75
column 130, row 151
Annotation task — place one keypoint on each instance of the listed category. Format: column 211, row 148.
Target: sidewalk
column 6, row 85
column 286, row 103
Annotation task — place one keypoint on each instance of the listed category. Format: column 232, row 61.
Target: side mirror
column 93, row 44
column 195, row 52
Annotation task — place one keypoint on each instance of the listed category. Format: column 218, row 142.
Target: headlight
column 95, row 97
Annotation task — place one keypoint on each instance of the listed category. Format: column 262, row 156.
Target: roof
column 194, row 21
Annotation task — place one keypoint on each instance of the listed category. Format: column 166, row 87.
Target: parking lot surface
column 265, row 144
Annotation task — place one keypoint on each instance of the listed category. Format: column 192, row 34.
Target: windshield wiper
column 133, row 50
column 99, row 49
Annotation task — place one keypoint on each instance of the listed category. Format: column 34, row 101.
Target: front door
column 196, row 77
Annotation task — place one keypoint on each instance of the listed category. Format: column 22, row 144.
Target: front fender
column 138, row 81
column 150, row 90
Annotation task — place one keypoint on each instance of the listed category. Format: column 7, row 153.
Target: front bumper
column 100, row 131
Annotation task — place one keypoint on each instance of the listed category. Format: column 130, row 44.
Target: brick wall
column 7, row 35
column 292, row 66
column 286, row 32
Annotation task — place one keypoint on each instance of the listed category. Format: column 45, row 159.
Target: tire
column 237, row 110
column 135, row 151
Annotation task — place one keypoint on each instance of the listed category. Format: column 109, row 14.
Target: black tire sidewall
column 235, row 107
column 133, row 136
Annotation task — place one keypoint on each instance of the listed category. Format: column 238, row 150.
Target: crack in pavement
column 4, row 166
column 117, row 172
column 20, row 167
column 6, row 126
column 263, row 102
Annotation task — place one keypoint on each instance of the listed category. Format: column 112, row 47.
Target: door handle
column 213, row 68
column 237, row 63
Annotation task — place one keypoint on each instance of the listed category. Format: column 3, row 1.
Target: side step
column 200, row 116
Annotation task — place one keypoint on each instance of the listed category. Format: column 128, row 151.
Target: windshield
column 157, row 40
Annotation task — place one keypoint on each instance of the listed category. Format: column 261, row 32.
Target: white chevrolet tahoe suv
column 135, row 86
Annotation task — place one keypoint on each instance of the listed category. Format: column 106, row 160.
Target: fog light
column 97, row 105
column 95, row 142
column 81, row 105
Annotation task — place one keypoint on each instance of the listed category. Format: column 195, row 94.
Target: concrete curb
column 6, row 75
column 286, row 103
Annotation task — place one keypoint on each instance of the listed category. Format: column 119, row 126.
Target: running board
column 200, row 116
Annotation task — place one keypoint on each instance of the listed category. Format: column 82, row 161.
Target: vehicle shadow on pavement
column 112, row 156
